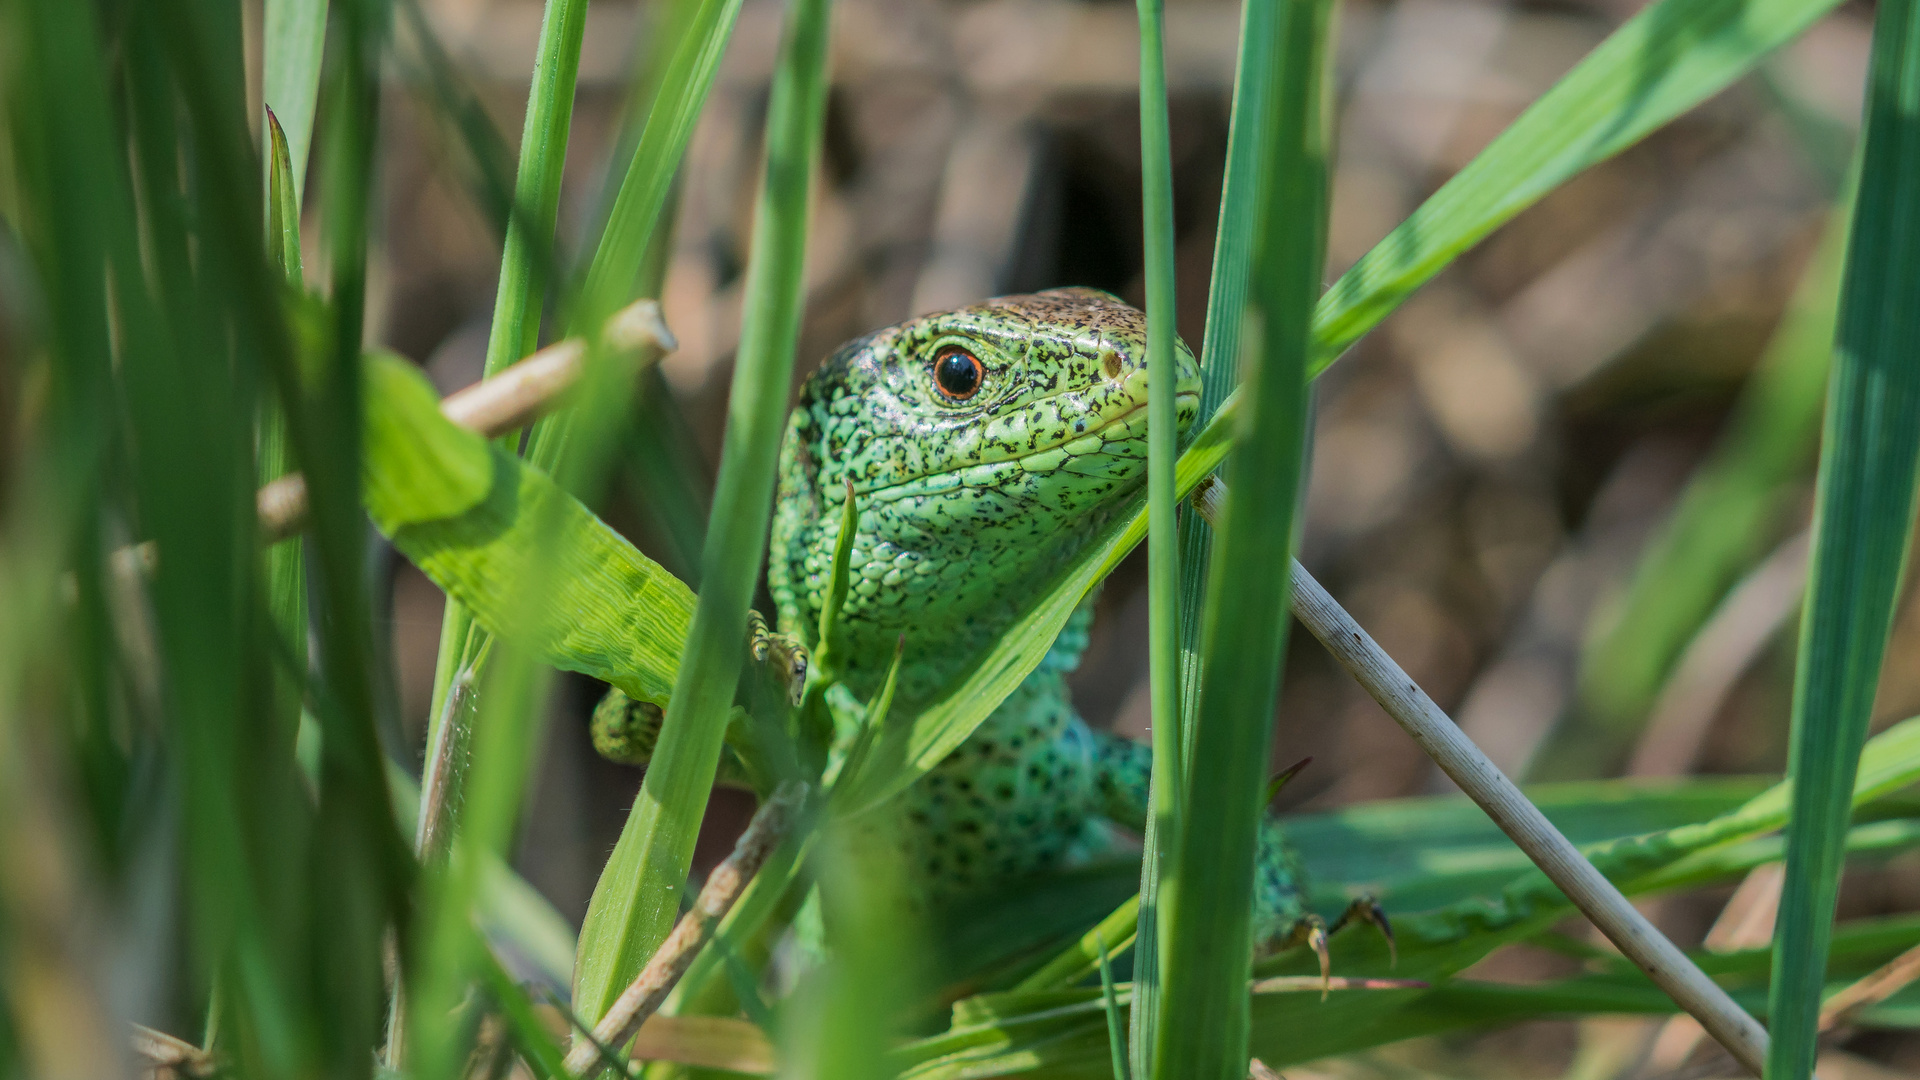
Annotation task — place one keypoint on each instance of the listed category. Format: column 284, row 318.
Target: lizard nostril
column 1111, row 362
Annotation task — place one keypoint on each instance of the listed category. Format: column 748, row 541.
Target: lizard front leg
column 1123, row 769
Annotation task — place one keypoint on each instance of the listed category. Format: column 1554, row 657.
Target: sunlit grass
column 189, row 716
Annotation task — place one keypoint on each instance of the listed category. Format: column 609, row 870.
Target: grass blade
column 1116, row 1042
column 296, row 31
column 1226, row 299
column 1164, row 799
column 643, row 190
column 1862, row 529
column 527, row 253
column 635, row 900
column 478, row 521
column 515, row 330
column 1670, row 57
column 1205, row 919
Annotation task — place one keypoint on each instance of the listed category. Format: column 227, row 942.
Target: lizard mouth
column 1048, row 457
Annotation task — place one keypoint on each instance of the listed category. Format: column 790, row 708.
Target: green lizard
column 984, row 448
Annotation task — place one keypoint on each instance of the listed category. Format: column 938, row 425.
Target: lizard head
column 984, row 447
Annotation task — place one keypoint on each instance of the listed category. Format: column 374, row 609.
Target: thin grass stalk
column 526, row 255
column 286, row 569
column 1116, row 1039
column 636, row 898
column 359, row 865
column 1207, row 917
column 633, row 245
column 1159, row 857
column 1863, row 520
column 1557, row 858
column 505, row 738
column 663, row 141
column 1219, row 373
column 1226, row 300
column 231, row 300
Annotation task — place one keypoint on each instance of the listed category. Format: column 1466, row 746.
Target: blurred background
column 1489, row 467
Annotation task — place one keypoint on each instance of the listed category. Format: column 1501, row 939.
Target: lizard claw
column 1317, row 941
column 1366, row 909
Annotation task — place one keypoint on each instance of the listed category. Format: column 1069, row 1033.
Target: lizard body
column 984, row 448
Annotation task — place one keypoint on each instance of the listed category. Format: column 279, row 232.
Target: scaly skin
column 966, row 508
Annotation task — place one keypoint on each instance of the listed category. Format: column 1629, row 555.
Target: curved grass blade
column 471, row 517
column 1062, row 1032
column 635, row 899
column 1670, row 57
column 1862, row 529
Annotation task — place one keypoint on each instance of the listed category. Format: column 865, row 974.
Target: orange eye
column 957, row 373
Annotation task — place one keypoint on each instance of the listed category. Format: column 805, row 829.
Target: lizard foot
column 1312, row 931
column 1367, row 910
column 782, row 655
column 625, row 730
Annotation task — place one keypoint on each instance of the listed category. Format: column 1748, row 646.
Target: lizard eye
column 957, row 373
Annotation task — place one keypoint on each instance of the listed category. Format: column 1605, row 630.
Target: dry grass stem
column 1746, row 922
column 498, row 405
column 1485, row 784
column 1886, row 981
column 447, row 759
column 163, row 1055
column 650, row 988
column 1296, row 984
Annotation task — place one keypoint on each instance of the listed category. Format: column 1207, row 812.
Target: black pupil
column 957, row 373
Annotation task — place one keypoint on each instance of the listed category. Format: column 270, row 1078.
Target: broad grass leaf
column 476, row 520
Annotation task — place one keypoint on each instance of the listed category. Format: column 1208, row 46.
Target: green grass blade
column 1670, row 57
column 479, row 522
column 1219, row 372
column 296, row 31
column 515, row 330
column 1729, row 513
column 643, row 190
column 1116, row 1042
column 1226, row 300
column 1163, row 538
column 1063, row 1032
column 286, row 562
column 635, row 899
column 1205, row 918
column 526, row 255
column 1863, row 522
column 283, row 206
